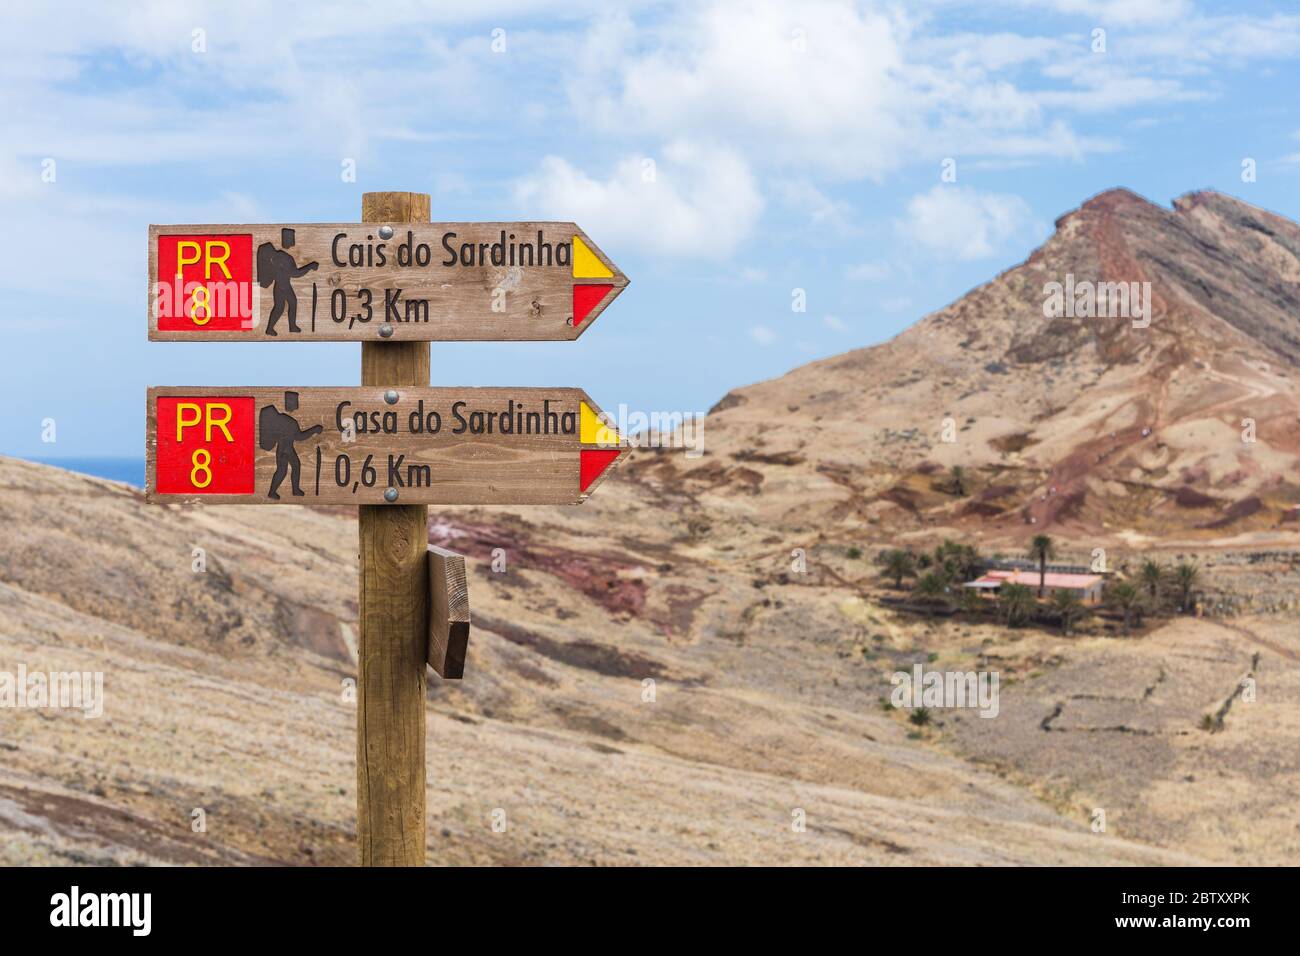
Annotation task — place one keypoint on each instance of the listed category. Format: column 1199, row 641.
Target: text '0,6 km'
column 408, row 445
column 480, row 281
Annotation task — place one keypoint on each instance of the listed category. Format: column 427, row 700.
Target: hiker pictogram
column 281, row 431
column 279, row 267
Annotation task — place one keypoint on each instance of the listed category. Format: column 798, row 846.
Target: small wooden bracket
column 448, row 613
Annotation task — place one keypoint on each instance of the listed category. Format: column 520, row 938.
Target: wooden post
column 393, row 611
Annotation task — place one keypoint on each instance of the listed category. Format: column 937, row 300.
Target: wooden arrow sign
column 439, row 282
column 374, row 446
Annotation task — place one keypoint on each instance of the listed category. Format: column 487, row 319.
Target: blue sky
column 723, row 154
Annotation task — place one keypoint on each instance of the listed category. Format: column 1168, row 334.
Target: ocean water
column 130, row 470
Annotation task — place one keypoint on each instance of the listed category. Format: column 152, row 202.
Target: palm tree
column 1016, row 601
column 971, row 602
column 1152, row 575
column 957, row 480
column 958, row 560
column 1127, row 598
column 898, row 564
column 1068, row 608
column 945, row 558
column 1185, row 577
column 969, row 561
column 932, row 589
column 1042, row 550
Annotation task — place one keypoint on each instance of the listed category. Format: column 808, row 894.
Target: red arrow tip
column 593, row 462
column 586, row 298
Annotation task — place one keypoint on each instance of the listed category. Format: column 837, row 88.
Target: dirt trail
column 1256, row 639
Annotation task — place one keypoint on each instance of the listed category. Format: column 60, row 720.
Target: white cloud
column 875, row 270
column 762, row 335
column 989, row 51
column 758, row 96
column 701, row 201
column 834, row 88
column 835, row 323
column 1192, row 43
column 813, row 83
column 842, row 90
column 313, row 81
column 964, row 223
column 821, row 211
column 1107, row 12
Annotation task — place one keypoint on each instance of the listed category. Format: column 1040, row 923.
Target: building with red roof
column 1086, row 587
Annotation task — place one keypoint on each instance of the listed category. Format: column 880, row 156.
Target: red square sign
column 205, row 446
column 205, row 283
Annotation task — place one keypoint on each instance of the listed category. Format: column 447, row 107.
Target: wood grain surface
column 448, row 613
column 483, row 298
column 393, row 621
column 459, row 463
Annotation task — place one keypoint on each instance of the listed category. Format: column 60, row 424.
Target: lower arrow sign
column 409, row 445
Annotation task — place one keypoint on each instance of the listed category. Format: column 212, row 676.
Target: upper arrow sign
column 445, row 281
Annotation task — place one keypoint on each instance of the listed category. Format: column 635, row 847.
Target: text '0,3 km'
column 480, row 281
column 408, row 445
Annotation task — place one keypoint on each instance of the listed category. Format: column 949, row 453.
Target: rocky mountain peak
column 1102, row 383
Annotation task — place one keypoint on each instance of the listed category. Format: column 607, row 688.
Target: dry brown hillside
column 224, row 693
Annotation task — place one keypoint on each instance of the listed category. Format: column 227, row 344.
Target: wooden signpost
column 440, row 282
column 350, row 446
column 392, row 446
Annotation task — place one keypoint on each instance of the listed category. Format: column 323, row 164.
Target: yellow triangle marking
column 585, row 263
column 592, row 430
